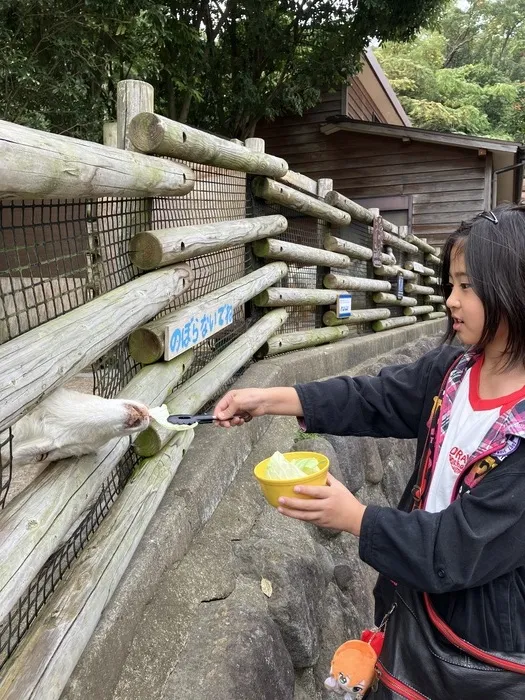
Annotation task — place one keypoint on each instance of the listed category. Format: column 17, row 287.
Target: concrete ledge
column 209, row 467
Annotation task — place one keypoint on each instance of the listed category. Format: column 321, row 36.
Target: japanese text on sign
column 191, row 330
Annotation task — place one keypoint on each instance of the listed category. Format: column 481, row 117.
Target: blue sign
column 344, row 305
column 194, row 328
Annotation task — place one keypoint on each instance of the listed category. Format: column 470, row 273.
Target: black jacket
column 471, row 556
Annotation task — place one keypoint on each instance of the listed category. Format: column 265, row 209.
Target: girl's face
column 463, row 302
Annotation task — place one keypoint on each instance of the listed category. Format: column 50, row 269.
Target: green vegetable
column 279, row 467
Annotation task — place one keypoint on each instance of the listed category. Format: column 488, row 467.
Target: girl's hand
column 332, row 506
column 238, row 407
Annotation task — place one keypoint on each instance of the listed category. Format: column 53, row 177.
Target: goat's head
column 68, row 423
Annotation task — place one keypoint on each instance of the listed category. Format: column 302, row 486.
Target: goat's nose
column 137, row 416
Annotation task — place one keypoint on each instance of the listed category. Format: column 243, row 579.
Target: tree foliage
column 223, row 65
column 468, row 75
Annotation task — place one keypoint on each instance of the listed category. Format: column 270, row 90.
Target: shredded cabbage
column 160, row 415
column 280, row 467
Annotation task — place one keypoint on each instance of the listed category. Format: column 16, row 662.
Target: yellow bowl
column 273, row 489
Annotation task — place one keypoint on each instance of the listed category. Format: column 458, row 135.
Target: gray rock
column 398, row 467
column 298, row 584
column 351, row 458
column 234, row 650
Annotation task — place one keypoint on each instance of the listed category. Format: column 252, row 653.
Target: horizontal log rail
column 277, row 193
column 151, row 249
column 392, row 300
column 353, row 250
column 358, row 212
column 359, row 316
column 39, row 361
column 433, row 259
column 433, row 299
column 146, row 344
column 152, row 133
column 422, row 245
column 38, row 520
column 275, row 249
column 433, row 315
column 399, row 243
column 39, row 165
column 334, row 280
column 208, row 381
column 298, row 340
column 417, row 267
column 389, row 323
column 418, row 310
column 418, row 289
column 393, row 271
column 301, row 182
column 290, row 296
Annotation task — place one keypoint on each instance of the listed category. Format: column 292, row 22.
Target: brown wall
column 446, row 183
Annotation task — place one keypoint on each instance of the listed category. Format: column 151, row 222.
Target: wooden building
column 362, row 138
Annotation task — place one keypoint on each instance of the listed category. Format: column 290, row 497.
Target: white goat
column 70, row 424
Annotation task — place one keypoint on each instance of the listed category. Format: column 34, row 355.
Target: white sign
column 418, row 267
column 344, row 305
column 192, row 329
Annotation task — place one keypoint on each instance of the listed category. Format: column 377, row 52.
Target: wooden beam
column 301, row 182
column 356, row 284
column 151, row 249
column 151, row 133
column 393, row 271
column 390, row 323
column 288, row 296
column 38, row 520
column 418, row 289
column 386, row 299
column 353, row 250
column 433, row 315
column 422, row 245
column 418, row 310
column 297, row 340
column 205, row 384
column 277, row 193
column 39, row 165
column 414, row 266
column 433, row 299
column 146, row 344
column 275, row 249
column 48, row 654
column 358, row 316
column 39, row 361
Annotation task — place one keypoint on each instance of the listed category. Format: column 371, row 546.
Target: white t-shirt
column 470, row 420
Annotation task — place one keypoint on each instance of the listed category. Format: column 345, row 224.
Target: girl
column 451, row 559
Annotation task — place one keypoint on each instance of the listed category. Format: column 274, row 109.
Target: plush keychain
column 352, row 671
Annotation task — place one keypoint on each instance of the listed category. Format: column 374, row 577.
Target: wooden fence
column 40, row 165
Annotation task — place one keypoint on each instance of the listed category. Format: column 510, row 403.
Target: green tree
column 468, row 74
column 223, row 65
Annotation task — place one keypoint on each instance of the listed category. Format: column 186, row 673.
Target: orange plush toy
column 352, row 671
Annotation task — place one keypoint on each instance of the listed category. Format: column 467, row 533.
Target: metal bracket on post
column 377, row 240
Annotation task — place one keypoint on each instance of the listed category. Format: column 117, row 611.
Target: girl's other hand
column 332, row 506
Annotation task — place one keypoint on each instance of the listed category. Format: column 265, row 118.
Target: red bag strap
column 486, row 656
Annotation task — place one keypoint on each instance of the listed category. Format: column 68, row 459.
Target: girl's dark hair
column 495, row 263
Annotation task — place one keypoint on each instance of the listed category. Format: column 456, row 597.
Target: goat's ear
column 32, row 451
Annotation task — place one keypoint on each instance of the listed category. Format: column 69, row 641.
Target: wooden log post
column 39, row 361
column 359, row 316
column 151, row 249
column 277, row 193
column 274, row 249
column 355, row 284
column 133, row 97
column 48, row 654
column 151, row 133
column 324, row 185
column 36, row 165
column 205, row 384
column 146, row 344
column 384, row 298
column 38, row 521
column 418, row 310
column 390, row 323
column 418, row 289
column 289, row 296
column 353, row 250
column 297, row 340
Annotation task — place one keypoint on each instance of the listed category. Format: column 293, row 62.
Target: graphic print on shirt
column 457, row 459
